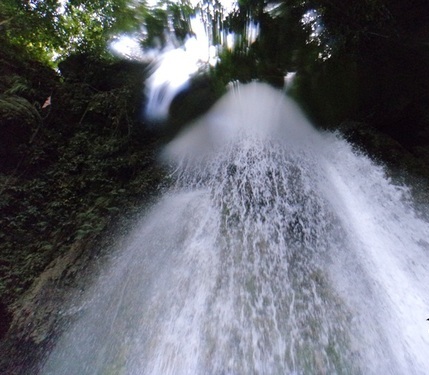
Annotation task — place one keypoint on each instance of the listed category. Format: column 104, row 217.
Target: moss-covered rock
column 192, row 103
column 18, row 122
column 403, row 166
column 69, row 173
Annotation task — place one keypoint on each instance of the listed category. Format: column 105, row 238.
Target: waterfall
column 279, row 250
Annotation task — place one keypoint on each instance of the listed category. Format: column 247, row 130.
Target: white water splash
column 279, row 251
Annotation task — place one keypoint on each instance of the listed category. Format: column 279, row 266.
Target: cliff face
column 74, row 157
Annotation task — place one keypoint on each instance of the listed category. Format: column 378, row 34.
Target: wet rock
column 404, row 166
column 382, row 147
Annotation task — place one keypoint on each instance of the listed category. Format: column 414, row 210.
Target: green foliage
column 235, row 65
column 83, row 165
column 328, row 90
column 89, row 162
column 47, row 30
column 280, row 47
column 367, row 62
column 156, row 21
column 54, row 29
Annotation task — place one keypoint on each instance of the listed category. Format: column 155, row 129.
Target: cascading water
column 279, row 251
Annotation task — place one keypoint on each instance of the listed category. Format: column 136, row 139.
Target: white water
column 279, row 251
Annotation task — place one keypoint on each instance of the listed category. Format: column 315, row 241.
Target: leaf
column 47, row 102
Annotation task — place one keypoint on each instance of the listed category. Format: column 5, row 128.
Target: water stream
column 280, row 250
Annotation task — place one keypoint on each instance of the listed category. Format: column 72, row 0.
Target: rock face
column 383, row 148
column 68, row 174
column 65, row 179
column 37, row 317
column 34, row 317
column 405, row 166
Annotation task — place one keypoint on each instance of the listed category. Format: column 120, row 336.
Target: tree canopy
column 51, row 28
column 361, row 59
